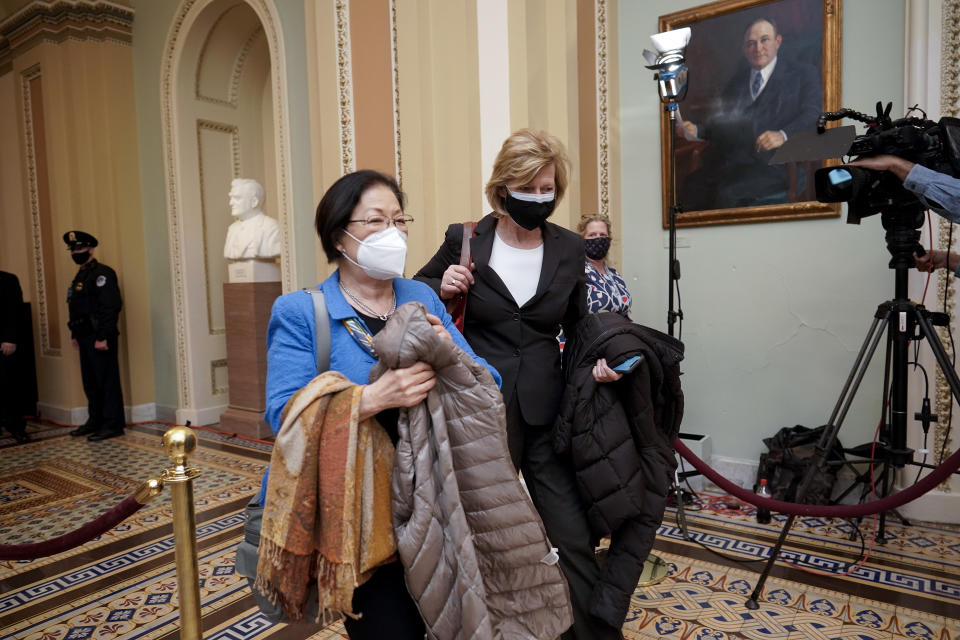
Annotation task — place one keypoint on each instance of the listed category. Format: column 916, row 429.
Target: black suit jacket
column 790, row 102
column 521, row 342
column 11, row 300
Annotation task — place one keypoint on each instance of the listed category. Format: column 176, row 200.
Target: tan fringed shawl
column 327, row 512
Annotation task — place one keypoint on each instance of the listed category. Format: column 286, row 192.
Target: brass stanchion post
column 179, row 443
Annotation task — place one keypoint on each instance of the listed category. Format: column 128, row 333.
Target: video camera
column 935, row 145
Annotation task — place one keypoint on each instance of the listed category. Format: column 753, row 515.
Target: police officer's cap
column 79, row 239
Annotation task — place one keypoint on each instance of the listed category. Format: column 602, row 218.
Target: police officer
column 94, row 302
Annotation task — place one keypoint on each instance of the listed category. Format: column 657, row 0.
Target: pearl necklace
column 368, row 310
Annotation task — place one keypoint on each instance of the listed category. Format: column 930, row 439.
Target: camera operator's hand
column 936, row 259
column 894, row 164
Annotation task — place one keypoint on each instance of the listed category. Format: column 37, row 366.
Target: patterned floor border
column 890, row 578
column 74, row 579
column 132, row 594
column 940, row 542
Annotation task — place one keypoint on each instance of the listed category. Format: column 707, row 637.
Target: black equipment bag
column 791, row 451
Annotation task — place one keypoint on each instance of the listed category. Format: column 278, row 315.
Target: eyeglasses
column 379, row 223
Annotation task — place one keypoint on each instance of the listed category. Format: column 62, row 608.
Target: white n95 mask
column 382, row 254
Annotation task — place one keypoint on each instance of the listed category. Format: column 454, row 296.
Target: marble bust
column 253, row 234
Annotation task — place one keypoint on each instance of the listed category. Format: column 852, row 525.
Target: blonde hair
column 521, row 158
column 587, row 218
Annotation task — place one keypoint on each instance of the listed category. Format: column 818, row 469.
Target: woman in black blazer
column 527, row 280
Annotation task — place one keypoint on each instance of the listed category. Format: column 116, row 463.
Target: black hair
column 773, row 23
column 337, row 205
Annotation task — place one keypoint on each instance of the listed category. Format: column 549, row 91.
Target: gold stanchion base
column 654, row 570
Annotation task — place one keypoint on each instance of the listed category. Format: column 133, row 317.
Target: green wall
column 774, row 312
column 150, row 28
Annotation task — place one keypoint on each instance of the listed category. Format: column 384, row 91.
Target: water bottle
column 763, row 515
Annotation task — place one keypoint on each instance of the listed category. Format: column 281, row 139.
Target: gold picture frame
column 716, row 52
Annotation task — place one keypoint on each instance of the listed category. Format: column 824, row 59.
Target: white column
column 494, row 72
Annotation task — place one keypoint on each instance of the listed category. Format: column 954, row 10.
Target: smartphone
column 628, row 365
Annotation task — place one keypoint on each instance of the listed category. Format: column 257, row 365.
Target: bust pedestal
column 247, row 311
column 254, row 270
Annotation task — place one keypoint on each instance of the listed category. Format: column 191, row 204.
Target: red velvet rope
column 75, row 538
column 892, row 501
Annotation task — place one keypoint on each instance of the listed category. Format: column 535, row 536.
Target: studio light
column 670, row 64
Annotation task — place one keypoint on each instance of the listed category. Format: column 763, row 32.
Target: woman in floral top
column 606, row 290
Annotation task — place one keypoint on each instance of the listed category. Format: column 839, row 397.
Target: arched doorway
column 223, row 100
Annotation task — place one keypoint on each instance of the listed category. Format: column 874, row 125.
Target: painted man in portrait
column 768, row 99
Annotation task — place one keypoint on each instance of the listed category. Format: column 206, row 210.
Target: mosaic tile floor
column 123, row 584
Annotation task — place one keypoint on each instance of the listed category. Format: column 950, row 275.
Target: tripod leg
column 926, row 330
column 867, row 349
column 751, row 602
column 874, row 336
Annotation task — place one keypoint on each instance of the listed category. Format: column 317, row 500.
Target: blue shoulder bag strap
column 322, row 321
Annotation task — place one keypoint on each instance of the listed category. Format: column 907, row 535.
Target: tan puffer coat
column 476, row 555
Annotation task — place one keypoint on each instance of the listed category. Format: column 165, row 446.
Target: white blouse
column 518, row 268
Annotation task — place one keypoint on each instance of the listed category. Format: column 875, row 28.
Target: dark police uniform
column 11, row 415
column 94, row 302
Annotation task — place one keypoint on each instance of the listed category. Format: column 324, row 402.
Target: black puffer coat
column 619, row 436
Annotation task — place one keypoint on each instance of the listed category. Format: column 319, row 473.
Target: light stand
column 673, row 266
column 671, row 76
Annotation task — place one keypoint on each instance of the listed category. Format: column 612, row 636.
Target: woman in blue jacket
column 363, row 230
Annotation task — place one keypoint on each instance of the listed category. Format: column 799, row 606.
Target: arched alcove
column 224, row 115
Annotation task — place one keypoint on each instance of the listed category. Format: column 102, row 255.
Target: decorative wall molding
column 950, row 58
column 197, row 89
column 395, row 63
column 345, row 82
column 180, row 28
column 64, row 20
column 234, row 132
column 223, row 127
column 949, row 106
column 603, row 164
column 46, row 310
column 240, row 63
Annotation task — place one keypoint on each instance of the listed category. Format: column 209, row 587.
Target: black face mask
column 80, row 257
column 528, row 215
column 597, row 248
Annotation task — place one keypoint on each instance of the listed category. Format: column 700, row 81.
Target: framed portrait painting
column 760, row 71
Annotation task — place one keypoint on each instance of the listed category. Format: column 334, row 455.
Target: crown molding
column 62, row 20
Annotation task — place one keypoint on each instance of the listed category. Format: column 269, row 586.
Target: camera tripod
column 900, row 319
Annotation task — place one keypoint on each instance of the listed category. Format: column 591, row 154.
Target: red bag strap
column 465, row 247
